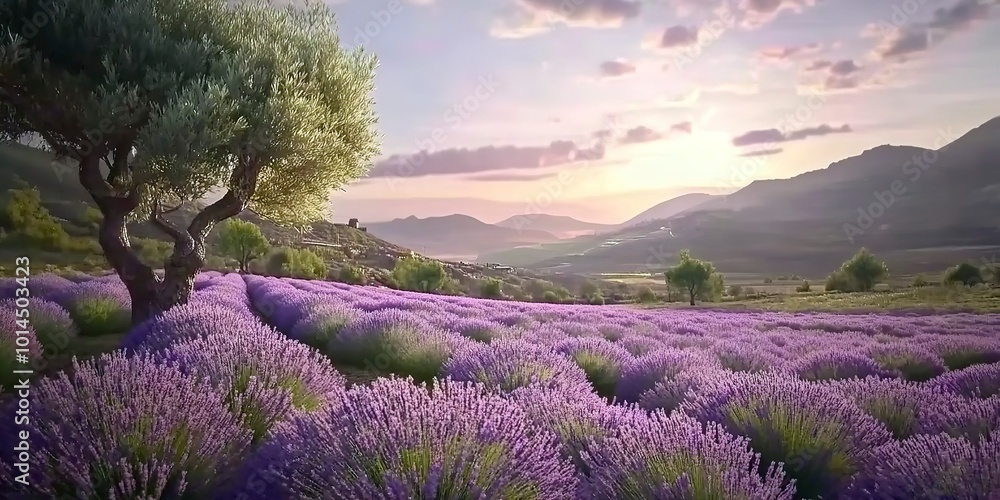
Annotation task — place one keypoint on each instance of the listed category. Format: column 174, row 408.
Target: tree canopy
column 241, row 240
column 691, row 274
column 165, row 101
column 864, row 271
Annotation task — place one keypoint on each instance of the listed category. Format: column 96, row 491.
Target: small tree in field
column 492, row 288
column 864, row 271
column 159, row 102
column 589, row 289
column 242, row 241
column 690, row 274
column 964, row 273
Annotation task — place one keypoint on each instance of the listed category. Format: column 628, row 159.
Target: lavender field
column 264, row 388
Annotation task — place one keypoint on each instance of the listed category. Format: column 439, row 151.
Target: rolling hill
column 919, row 209
column 669, row 208
column 455, row 235
column 558, row 225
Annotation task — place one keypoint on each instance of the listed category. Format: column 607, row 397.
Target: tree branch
column 156, row 218
column 242, row 186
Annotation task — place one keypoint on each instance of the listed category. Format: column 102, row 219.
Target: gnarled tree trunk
column 150, row 293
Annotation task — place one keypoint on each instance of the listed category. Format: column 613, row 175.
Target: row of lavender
column 764, row 405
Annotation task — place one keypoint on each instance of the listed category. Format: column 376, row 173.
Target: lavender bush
column 932, row 467
column 127, row 427
column 507, row 365
column 394, row 341
column 821, row 437
column 98, row 307
column 264, row 376
column 675, row 457
column 395, row 439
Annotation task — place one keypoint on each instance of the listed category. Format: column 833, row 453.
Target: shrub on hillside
column 296, row 263
column 492, row 288
column 351, row 275
column 645, row 295
column 768, row 280
column 965, row 274
column 735, row 291
column 550, row 297
column 25, row 216
column 419, row 274
column 920, row 281
column 803, row 288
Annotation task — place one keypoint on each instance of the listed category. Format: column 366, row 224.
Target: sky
column 599, row 109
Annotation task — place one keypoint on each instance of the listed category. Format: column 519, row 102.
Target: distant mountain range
column 919, row 209
column 463, row 235
column 455, row 235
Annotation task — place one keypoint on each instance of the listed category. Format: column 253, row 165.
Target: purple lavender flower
column 190, row 321
column 322, row 323
column 837, row 365
column 394, row 439
column 932, row 467
column 263, row 375
column 675, row 457
column 394, row 341
column 896, row 403
column 601, row 360
column 744, row 357
column 821, row 437
column 52, row 325
column 510, row 364
column 578, row 421
column 668, row 394
column 911, row 361
column 11, row 341
column 961, row 351
column 958, row 416
column 127, row 427
column 642, row 373
column 98, row 307
column 482, row 330
column 639, row 345
column 977, row 381
column 47, row 286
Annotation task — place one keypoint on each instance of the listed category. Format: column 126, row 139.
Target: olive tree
column 691, row 274
column 160, row 102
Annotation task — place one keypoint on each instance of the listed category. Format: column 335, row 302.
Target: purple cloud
column 484, row 159
column 679, row 36
column 616, row 68
column 640, row 134
column 773, row 135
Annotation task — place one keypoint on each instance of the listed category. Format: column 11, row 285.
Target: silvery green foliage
column 197, row 94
